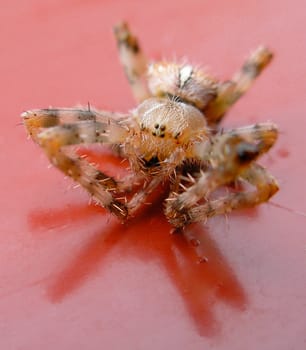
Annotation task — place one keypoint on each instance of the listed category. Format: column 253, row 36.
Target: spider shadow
column 200, row 285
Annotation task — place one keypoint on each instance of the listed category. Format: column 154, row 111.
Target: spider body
column 172, row 136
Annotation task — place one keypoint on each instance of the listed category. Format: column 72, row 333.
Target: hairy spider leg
column 230, row 91
column 232, row 156
column 57, row 131
column 37, row 120
column 266, row 187
column 132, row 60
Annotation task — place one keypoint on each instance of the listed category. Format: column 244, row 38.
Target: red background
column 71, row 277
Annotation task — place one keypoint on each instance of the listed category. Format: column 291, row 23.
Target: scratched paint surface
column 71, row 277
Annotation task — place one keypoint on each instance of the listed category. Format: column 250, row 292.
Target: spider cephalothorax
column 172, row 136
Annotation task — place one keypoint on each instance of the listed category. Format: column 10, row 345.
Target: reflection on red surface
column 199, row 283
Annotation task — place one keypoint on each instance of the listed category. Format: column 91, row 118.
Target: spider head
column 165, row 125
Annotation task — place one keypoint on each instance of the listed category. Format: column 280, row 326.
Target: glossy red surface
column 71, row 277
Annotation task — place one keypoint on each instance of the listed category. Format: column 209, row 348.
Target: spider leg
column 229, row 92
column 37, row 120
column 231, row 156
column 265, row 187
column 263, row 133
column 51, row 130
column 140, row 197
column 133, row 61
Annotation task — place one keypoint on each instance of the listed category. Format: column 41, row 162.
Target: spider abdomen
column 185, row 81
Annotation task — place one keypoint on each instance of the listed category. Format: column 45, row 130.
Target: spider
column 172, row 136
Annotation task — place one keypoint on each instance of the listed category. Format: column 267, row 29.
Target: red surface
column 71, row 277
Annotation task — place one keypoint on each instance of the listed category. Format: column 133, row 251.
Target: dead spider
column 172, row 136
